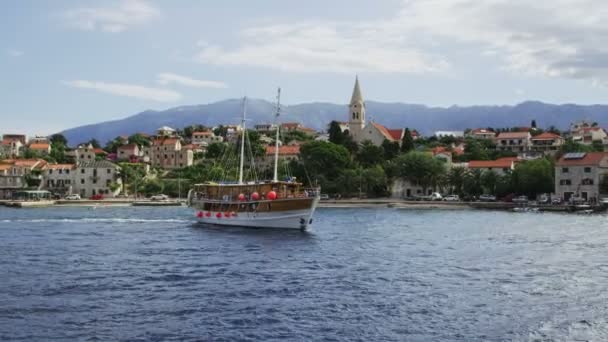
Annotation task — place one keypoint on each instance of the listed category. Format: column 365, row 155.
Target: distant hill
column 317, row 115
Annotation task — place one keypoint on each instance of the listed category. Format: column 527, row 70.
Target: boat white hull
column 290, row 219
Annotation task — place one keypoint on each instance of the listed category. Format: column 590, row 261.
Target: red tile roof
column 397, row 134
column 498, row 164
column 384, row 131
column 40, row 146
column 167, row 141
column 547, row 136
column 4, row 167
column 590, row 159
column 284, row 150
column 99, row 151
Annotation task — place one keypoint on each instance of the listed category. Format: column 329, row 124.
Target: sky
column 68, row 63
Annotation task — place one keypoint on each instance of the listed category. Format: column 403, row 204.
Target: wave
column 97, row 220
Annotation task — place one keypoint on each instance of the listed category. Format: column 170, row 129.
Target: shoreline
column 343, row 203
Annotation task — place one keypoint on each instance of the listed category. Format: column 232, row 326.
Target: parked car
column 73, row 197
column 520, row 199
column 159, row 197
column 324, row 196
column 487, row 198
column 97, row 197
column 451, row 198
column 556, row 201
column 435, row 196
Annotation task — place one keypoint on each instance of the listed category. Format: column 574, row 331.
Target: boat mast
column 275, row 178
column 244, row 131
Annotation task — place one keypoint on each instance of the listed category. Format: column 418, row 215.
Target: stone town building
column 579, row 175
column 14, row 175
column 205, row 138
column 97, row 177
column 547, row 143
column 58, row 178
column 514, row 141
column 12, row 145
column 589, row 135
column 84, row 152
column 168, row 153
column 360, row 129
column 40, row 148
column 129, row 152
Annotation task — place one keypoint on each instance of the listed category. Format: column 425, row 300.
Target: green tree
column 571, row 146
column 472, row 183
column 369, row 154
column 336, row 135
column 215, row 150
column 113, row 145
column 58, row 139
column 407, row 142
column 534, row 177
column 391, row 149
column 139, row 139
column 58, row 146
column 420, row 168
column 93, row 142
column 325, row 158
column 489, row 180
column 455, row 179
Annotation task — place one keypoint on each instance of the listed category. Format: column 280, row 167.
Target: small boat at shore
column 257, row 204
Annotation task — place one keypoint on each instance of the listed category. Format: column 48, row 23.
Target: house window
column 67, row 172
column 60, row 171
column 565, row 170
column 82, row 181
column 82, row 171
column 108, row 182
column 109, row 171
column 565, row 182
column 50, row 172
column 587, row 170
column 587, row 181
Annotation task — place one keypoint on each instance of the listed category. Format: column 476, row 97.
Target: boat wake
column 96, row 220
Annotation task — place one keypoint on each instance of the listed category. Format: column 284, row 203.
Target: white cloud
column 130, row 90
column 166, row 78
column 559, row 38
column 14, row 52
column 118, row 18
column 322, row 47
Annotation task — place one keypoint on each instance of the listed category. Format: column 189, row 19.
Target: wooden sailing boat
column 257, row 204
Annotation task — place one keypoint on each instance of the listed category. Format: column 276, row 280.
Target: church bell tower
column 356, row 115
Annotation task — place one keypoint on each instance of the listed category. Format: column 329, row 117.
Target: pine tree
column 407, row 143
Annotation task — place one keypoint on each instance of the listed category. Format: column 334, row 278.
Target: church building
column 361, row 130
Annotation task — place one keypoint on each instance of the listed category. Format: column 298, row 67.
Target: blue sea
column 153, row 274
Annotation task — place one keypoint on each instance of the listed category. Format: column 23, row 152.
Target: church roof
column 357, row 97
column 387, row 132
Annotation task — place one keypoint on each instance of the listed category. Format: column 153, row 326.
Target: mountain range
column 425, row 119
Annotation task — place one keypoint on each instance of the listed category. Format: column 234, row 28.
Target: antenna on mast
column 275, row 178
